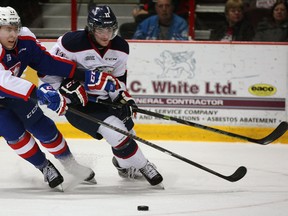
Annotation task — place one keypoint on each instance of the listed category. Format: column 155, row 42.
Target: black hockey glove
column 128, row 103
column 74, row 91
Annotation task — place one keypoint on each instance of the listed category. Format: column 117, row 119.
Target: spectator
column 276, row 28
column 127, row 30
column 235, row 28
column 165, row 25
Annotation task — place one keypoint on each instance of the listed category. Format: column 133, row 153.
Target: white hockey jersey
column 79, row 47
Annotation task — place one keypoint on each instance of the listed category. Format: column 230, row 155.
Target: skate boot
column 130, row 173
column 52, row 175
column 74, row 168
column 151, row 174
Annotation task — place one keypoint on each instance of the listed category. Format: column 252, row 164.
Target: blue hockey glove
column 46, row 94
column 95, row 80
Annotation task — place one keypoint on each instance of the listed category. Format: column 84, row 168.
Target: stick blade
column 277, row 133
column 238, row 174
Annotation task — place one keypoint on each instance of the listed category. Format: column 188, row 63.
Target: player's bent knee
column 126, row 149
column 112, row 137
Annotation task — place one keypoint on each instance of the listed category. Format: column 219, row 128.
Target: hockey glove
column 74, row 91
column 52, row 98
column 127, row 101
column 95, row 80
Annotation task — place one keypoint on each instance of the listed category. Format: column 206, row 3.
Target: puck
column 142, row 208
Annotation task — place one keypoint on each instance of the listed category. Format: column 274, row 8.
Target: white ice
column 188, row 190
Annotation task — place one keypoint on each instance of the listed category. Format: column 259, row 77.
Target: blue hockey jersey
column 28, row 52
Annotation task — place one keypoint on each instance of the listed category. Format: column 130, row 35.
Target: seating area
column 56, row 15
column 210, row 13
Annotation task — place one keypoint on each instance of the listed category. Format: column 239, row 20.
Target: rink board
column 182, row 132
column 237, row 87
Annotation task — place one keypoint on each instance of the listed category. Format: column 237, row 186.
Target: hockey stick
column 275, row 134
column 237, row 175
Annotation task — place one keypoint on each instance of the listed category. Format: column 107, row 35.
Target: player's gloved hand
column 74, row 91
column 128, row 102
column 95, row 80
column 52, row 98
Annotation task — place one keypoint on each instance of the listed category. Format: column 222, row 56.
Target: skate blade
column 159, row 186
column 90, row 182
column 76, row 180
column 59, row 188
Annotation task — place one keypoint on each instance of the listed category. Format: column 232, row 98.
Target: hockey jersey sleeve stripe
column 9, row 93
column 15, row 87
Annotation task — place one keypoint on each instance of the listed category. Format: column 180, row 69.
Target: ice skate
column 52, row 175
column 79, row 171
column 151, row 174
column 130, row 173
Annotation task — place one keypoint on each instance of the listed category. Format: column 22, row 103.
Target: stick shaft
column 240, row 172
column 274, row 135
column 278, row 132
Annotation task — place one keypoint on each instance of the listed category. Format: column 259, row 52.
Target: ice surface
column 188, row 190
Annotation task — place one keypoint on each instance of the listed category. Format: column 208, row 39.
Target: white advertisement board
column 209, row 83
column 213, row 84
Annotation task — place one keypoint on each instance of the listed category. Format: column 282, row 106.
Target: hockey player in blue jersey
column 98, row 48
column 21, row 119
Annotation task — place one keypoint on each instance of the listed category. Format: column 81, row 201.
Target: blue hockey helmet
column 102, row 17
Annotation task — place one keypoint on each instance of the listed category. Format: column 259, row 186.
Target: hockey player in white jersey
column 98, row 48
column 21, row 119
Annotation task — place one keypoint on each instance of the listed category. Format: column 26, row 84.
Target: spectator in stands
column 236, row 27
column 165, row 25
column 127, row 30
column 276, row 28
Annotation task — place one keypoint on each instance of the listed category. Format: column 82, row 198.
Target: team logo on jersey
column 177, row 64
column 60, row 53
column 87, row 58
column 8, row 57
column 15, row 69
column 106, row 69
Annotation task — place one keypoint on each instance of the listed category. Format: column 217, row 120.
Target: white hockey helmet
column 9, row 16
